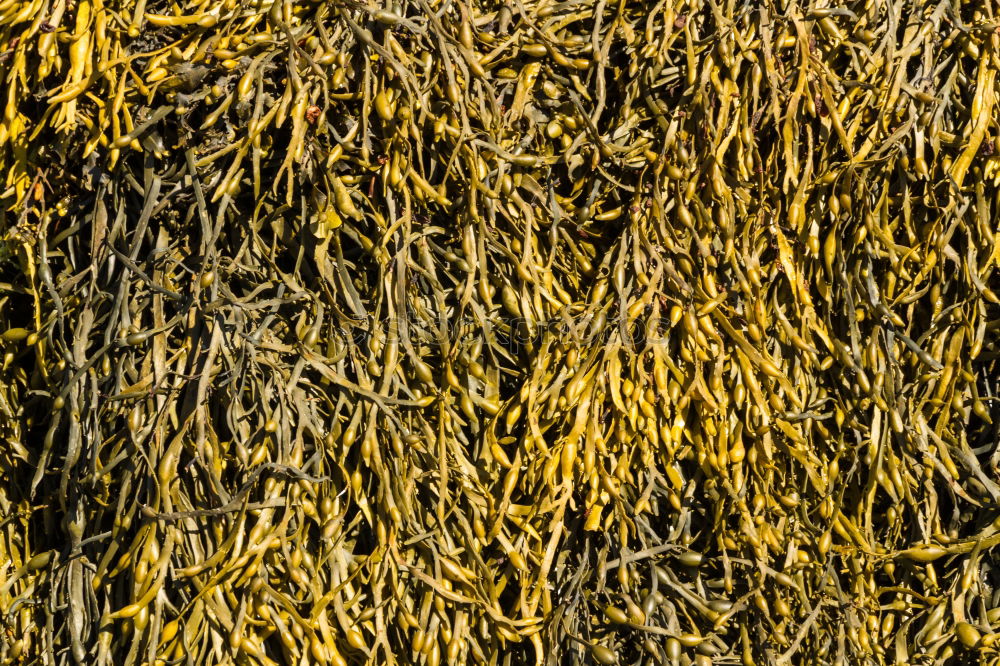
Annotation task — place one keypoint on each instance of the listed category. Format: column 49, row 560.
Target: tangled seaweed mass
column 523, row 332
